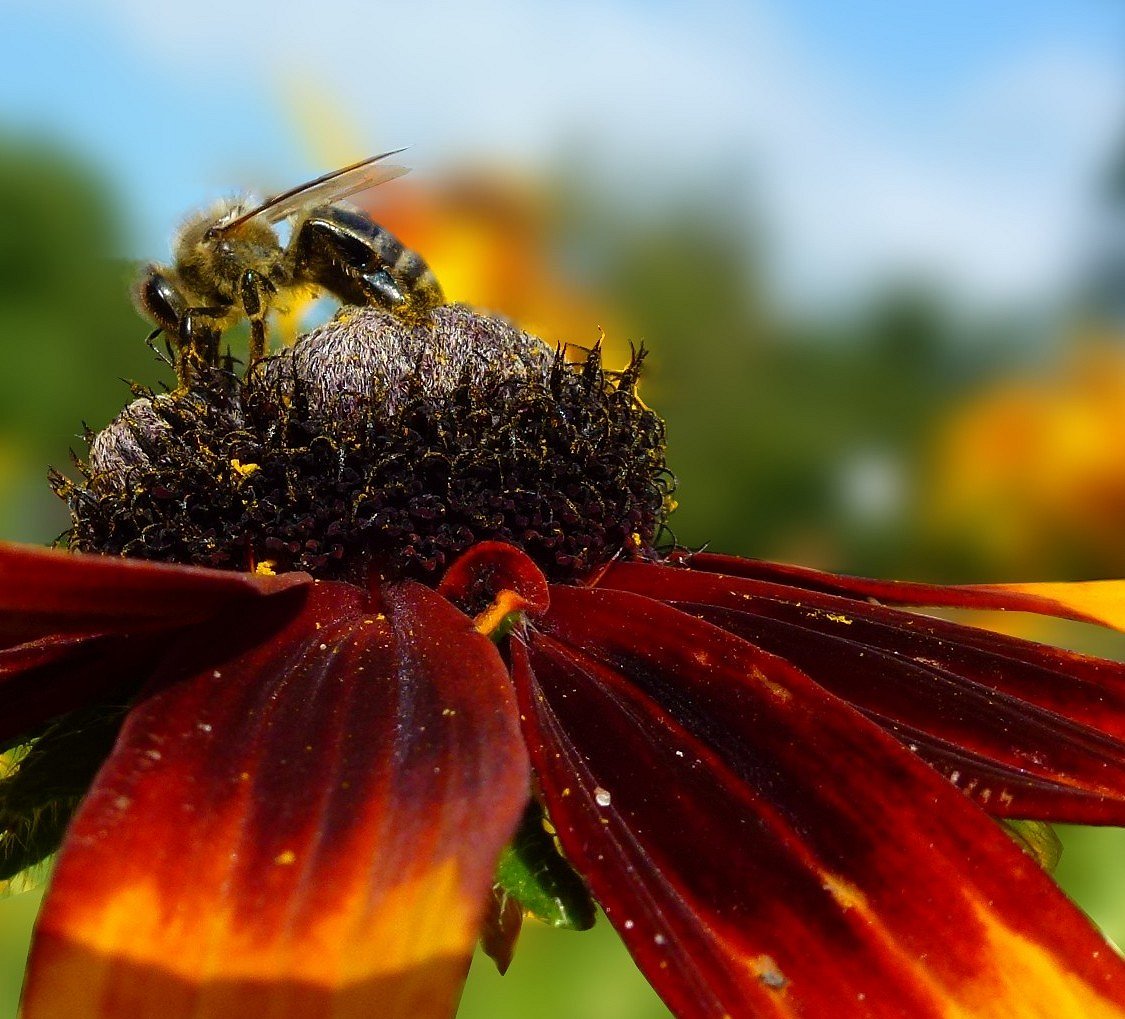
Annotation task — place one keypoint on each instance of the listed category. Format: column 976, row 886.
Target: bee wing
column 331, row 187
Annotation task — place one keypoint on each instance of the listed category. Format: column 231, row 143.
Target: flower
column 488, row 234
column 443, row 625
column 989, row 455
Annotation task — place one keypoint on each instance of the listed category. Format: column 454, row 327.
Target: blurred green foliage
column 68, row 333
column 772, row 419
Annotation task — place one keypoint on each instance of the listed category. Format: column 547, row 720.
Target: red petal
column 297, row 822
column 47, row 678
column 1029, row 731
column 1093, row 689
column 1014, row 759
column 45, row 591
column 765, row 850
column 1094, row 601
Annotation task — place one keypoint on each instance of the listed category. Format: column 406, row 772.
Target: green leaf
column 41, row 785
column 1039, row 839
column 533, row 871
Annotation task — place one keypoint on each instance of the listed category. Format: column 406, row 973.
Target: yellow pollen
column 286, row 858
column 776, row 689
column 844, row 892
column 265, row 568
column 244, row 469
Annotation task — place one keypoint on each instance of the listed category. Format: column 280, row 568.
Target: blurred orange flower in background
column 490, row 236
column 1030, row 474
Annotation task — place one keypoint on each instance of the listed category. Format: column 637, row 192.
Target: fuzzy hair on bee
column 229, row 264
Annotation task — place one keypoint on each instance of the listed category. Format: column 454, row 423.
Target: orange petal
column 1095, row 601
column 299, row 820
column 1092, row 601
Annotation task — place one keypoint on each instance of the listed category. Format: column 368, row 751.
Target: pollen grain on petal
column 844, row 892
column 244, row 470
column 766, row 970
column 492, row 619
column 775, row 688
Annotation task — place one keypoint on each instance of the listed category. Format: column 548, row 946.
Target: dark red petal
column 43, row 679
column 1028, row 730
column 301, row 820
column 45, row 591
column 1093, row 601
column 489, row 569
column 764, row 850
column 501, row 928
column 1087, row 689
column 1013, row 758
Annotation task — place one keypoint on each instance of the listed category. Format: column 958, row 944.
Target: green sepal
column 533, row 871
column 1038, row 839
column 41, row 784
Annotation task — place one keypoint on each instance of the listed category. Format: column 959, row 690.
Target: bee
column 228, row 263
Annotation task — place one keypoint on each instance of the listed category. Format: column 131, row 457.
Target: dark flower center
column 378, row 444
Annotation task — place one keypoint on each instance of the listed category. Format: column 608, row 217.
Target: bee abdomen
column 411, row 270
column 338, row 247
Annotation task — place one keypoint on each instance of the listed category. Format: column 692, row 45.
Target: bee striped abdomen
column 411, row 269
column 344, row 250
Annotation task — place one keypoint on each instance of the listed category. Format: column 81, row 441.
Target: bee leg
column 384, row 289
column 199, row 341
column 345, row 252
column 253, row 291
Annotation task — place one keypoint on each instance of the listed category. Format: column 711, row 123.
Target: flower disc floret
column 378, row 444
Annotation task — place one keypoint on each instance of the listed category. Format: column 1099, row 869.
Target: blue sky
column 957, row 139
column 916, row 51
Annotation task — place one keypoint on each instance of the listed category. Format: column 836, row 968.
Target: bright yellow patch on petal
column 1016, row 978
column 402, row 956
column 1027, row 982
column 1100, row 601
